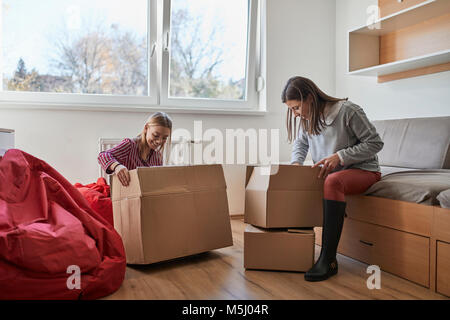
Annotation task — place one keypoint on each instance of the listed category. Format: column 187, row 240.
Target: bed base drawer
column 443, row 268
column 400, row 253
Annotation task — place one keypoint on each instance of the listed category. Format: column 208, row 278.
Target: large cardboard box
column 171, row 212
column 283, row 196
column 278, row 249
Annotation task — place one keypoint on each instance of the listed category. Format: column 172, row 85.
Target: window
column 159, row 53
column 75, row 46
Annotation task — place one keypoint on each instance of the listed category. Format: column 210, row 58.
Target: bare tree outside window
column 102, row 61
column 97, row 57
column 197, row 56
column 101, row 48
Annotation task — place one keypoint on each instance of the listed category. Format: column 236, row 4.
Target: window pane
column 208, row 49
column 75, row 46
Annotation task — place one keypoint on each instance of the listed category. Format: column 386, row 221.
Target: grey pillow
column 444, row 199
column 419, row 186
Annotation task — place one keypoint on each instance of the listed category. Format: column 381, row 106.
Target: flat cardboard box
column 278, row 249
column 283, row 196
column 171, row 211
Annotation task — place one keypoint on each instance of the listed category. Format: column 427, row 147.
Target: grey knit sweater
column 348, row 133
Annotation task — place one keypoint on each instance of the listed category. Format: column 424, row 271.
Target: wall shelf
column 405, row 65
column 406, row 18
column 410, row 42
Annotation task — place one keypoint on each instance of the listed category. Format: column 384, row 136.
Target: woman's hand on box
column 123, row 175
column 328, row 165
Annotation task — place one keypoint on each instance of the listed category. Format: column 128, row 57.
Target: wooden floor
column 220, row 274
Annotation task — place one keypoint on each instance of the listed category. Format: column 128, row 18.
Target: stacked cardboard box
column 171, row 212
column 283, row 203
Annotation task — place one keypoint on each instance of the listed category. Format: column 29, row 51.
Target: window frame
column 251, row 94
column 158, row 25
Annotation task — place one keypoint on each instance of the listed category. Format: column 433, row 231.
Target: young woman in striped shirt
column 145, row 150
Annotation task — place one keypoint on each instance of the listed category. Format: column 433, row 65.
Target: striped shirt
column 127, row 154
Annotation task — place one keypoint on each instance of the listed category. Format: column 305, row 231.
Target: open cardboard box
column 172, row 211
column 283, row 196
column 278, row 249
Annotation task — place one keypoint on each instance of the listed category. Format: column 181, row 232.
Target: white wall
column 300, row 41
column 424, row 96
column 304, row 37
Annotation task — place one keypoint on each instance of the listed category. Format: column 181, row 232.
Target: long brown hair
column 156, row 119
column 299, row 88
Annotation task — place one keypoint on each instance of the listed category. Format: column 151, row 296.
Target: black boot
column 333, row 220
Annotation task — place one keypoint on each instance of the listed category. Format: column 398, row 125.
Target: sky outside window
column 100, row 47
column 208, row 49
column 34, row 30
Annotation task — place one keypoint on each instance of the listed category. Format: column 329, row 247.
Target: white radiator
column 6, row 140
column 103, row 145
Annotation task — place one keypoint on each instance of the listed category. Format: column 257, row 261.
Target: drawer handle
column 365, row 242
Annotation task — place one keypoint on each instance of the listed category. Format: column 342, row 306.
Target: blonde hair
column 157, row 119
column 299, row 88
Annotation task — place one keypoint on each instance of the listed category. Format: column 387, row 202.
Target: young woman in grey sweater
column 344, row 143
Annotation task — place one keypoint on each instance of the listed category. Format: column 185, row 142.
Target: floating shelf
column 405, row 65
column 411, row 42
column 416, row 14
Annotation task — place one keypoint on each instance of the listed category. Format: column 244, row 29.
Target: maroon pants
column 350, row 181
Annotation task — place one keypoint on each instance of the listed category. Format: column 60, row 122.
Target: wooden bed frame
column 406, row 239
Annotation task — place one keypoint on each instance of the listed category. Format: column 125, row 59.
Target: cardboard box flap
column 258, row 180
column 206, row 176
column 163, row 180
column 285, row 177
column 169, row 180
column 248, row 174
column 120, row 192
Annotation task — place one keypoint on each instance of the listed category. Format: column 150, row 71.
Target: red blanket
column 98, row 196
column 100, row 186
column 48, row 232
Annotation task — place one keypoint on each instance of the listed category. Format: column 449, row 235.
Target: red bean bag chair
column 53, row 245
column 98, row 196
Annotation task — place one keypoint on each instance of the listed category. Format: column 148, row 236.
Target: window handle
column 260, row 84
column 166, row 44
column 152, row 52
